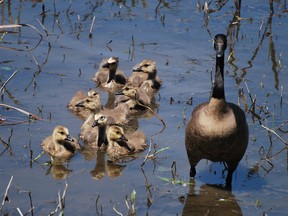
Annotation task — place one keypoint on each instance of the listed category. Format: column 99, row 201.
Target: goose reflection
column 210, row 200
column 103, row 167
column 58, row 171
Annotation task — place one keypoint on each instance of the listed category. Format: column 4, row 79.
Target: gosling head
column 100, row 120
column 91, row 102
column 130, row 92
column 61, row 134
column 93, row 93
column 146, row 66
column 112, row 63
column 116, row 133
column 220, row 44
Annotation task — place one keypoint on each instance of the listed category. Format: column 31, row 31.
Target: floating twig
column 272, row 131
column 6, row 198
column 91, row 28
column 152, row 156
column 31, row 116
column 5, row 83
column 61, row 202
column 157, row 116
column 281, row 96
column 19, row 26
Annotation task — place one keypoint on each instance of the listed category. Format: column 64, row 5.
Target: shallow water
column 178, row 37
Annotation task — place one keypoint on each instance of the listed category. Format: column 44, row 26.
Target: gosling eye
column 146, row 65
column 87, row 100
column 62, row 133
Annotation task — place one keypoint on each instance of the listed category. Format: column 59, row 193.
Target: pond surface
column 54, row 57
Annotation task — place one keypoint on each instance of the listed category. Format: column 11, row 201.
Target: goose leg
column 192, row 170
column 231, row 168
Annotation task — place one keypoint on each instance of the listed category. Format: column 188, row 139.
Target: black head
column 220, row 44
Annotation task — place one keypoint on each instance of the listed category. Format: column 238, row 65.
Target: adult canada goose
column 121, row 145
column 217, row 130
column 146, row 70
column 79, row 110
column 108, row 72
column 60, row 145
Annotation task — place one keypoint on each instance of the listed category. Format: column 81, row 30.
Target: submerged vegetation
column 49, row 55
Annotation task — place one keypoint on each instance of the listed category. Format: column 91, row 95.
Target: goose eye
column 62, row 133
column 146, row 65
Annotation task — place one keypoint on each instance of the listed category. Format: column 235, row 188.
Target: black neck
column 112, row 75
column 67, row 145
column 151, row 76
column 218, row 88
column 101, row 135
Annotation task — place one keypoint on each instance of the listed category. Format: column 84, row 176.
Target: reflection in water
column 211, row 200
column 113, row 170
column 58, row 171
column 272, row 53
column 99, row 171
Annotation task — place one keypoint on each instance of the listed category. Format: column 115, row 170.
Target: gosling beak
column 80, row 104
column 123, row 142
column 69, row 138
column 119, row 93
column 123, row 138
column 137, row 69
column 106, row 65
column 95, row 123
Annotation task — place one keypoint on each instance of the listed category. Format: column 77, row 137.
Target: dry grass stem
column 91, row 27
column 148, row 153
column 5, row 198
column 272, row 131
column 155, row 114
column 19, row 211
column 5, row 83
column 61, row 202
column 31, row 116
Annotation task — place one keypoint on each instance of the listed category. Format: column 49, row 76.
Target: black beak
column 95, row 123
column 219, row 50
column 123, row 142
column 220, row 44
column 69, row 138
column 123, row 138
column 106, row 65
column 119, row 93
column 80, row 104
column 137, row 69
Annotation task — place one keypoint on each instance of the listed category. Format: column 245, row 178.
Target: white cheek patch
column 111, row 60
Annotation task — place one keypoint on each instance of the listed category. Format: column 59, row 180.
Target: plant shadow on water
column 55, row 53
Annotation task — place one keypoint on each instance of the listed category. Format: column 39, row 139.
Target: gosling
column 79, row 110
column 108, row 73
column 60, row 145
column 121, row 145
column 146, row 70
column 217, row 130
